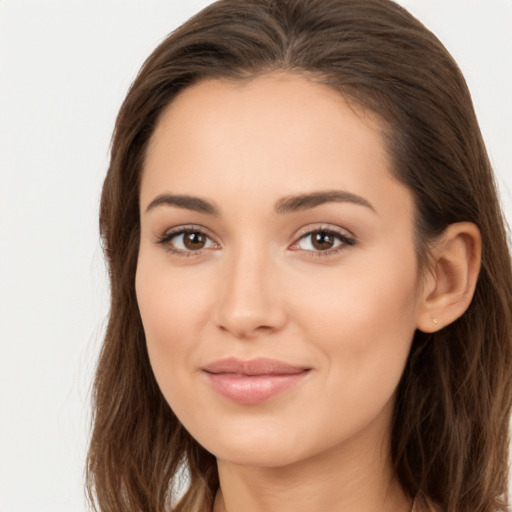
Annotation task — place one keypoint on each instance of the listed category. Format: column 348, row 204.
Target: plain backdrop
column 65, row 66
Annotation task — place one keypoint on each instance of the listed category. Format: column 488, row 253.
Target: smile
column 254, row 381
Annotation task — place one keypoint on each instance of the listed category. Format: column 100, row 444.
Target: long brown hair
column 450, row 427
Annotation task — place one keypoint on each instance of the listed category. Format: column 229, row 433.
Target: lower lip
column 253, row 389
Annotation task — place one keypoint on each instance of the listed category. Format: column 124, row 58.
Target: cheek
column 362, row 325
column 368, row 292
column 172, row 312
column 363, row 317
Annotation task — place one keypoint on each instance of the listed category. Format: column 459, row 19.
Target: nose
column 249, row 301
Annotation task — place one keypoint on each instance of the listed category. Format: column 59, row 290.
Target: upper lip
column 258, row 366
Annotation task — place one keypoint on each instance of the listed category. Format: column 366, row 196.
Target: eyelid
column 169, row 234
column 346, row 237
column 312, row 228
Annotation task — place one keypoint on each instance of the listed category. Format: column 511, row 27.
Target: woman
column 310, row 277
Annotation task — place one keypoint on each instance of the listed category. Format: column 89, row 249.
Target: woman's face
column 277, row 277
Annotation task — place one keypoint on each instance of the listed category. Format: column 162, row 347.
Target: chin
column 256, row 456
column 258, row 447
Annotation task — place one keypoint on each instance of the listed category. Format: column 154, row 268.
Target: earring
column 435, row 320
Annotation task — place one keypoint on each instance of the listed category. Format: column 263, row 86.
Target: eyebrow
column 311, row 200
column 187, row 202
column 285, row 205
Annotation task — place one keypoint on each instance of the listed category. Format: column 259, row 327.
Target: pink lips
column 251, row 382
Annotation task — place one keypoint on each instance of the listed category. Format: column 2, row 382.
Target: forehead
column 259, row 107
column 276, row 135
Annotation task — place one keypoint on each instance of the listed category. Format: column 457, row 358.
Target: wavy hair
column 451, row 421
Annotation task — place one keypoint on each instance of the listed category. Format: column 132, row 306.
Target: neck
column 351, row 477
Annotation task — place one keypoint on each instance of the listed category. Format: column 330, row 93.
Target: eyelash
column 345, row 239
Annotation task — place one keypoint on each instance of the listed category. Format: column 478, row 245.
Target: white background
column 65, row 66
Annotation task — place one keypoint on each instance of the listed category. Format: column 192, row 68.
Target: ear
column 449, row 286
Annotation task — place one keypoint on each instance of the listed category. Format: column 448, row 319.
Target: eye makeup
column 193, row 241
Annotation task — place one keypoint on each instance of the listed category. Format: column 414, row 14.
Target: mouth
column 253, row 381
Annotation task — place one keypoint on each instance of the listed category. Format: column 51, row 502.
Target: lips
column 253, row 381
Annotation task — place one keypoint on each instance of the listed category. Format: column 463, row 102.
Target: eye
column 323, row 242
column 186, row 241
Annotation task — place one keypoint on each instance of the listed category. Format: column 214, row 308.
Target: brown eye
column 194, row 240
column 186, row 242
column 322, row 240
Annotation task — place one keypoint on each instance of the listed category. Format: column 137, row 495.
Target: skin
column 260, row 288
